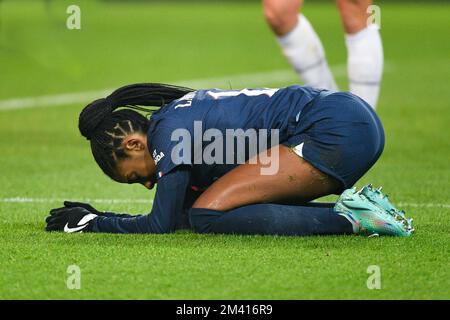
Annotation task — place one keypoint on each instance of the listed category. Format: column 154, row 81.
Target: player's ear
column 133, row 143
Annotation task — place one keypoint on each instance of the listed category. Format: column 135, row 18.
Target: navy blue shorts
column 339, row 134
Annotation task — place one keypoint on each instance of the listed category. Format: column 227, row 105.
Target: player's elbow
column 166, row 231
column 161, row 229
column 202, row 220
column 199, row 223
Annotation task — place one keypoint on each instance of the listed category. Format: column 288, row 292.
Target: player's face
column 139, row 166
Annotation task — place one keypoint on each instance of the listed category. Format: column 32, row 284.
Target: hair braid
column 105, row 127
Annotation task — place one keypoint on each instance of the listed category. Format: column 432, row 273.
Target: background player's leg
column 364, row 49
column 299, row 42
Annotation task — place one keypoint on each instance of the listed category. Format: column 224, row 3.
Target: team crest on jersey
column 157, row 156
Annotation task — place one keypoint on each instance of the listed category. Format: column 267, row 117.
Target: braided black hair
column 105, row 127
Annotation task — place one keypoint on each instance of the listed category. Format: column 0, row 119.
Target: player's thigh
column 354, row 14
column 281, row 15
column 292, row 180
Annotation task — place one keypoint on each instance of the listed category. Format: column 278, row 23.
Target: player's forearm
column 120, row 215
column 129, row 224
column 91, row 209
column 166, row 215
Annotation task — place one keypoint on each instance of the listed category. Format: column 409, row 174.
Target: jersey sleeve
column 166, row 213
column 170, row 147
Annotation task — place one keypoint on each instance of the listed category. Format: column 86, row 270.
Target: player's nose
column 149, row 185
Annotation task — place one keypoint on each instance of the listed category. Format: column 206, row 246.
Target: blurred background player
column 302, row 46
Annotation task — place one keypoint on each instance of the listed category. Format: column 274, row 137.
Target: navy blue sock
column 272, row 219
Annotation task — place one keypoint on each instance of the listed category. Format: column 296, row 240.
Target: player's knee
column 354, row 14
column 281, row 16
column 354, row 4
column 273, row 17
column 353, row 24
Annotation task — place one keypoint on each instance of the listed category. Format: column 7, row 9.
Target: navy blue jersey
column 189, row 140
column 336, row 132
column 173, row 141
column 183, row 131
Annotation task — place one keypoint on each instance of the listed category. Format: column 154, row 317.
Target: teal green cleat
column 378, row 198
column 371, row 213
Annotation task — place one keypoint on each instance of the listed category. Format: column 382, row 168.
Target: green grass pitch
column 43, row 156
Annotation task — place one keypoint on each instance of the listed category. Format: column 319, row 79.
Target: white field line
column 25, row 200
column 227, row 82
column 424, row 205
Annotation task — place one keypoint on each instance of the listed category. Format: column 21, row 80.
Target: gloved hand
column 75, row 219
column 87, row 206
column 91, row 209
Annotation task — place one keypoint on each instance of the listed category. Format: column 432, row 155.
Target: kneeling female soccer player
column 237, row 162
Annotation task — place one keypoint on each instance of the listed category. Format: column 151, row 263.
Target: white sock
column 365, row 63
column 303, row 49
